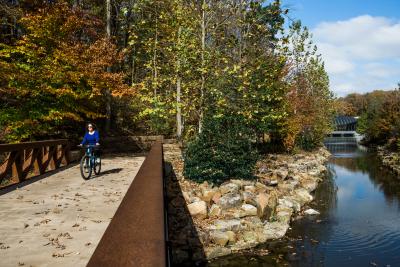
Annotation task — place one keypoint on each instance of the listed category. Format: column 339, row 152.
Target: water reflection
column 359, row 223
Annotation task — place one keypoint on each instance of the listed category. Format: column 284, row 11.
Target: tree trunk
column 178, row 92
column 179, row 127
column 155, row 73
column 203, row 78
column 107, row 91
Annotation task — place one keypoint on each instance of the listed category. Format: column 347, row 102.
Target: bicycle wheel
column 97, row 166
column 86, row 170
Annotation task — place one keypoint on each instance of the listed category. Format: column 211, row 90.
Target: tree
column 56, row 74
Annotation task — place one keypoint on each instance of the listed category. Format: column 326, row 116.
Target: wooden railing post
column 17, row 167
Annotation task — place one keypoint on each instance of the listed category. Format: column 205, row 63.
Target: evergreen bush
column 223, row 150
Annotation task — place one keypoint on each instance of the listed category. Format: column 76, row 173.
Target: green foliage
column 223, row 150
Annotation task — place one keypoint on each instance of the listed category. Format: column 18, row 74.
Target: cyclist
column 91, row 137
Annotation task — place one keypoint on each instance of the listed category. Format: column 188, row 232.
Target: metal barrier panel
column 136, row 235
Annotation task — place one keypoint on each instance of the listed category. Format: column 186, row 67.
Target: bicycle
column 90, row 162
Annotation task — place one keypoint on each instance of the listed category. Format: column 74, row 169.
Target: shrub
column 221, row 151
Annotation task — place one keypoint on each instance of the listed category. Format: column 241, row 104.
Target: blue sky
column 359, row 41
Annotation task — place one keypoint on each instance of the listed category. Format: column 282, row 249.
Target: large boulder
column 250, row 188
column 275, row 230
column 208, row 194
column 309, row 184
column 249, row 210
column 198, row 209
column 302, row 196
column 216, row 252
column 266, row 205
column 219, row 238
column 249, row 198
column 230, row 200
column 226, row 225
column 215, row 211
column 229, row 188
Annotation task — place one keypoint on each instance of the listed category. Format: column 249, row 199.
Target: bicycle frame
column 90, row 153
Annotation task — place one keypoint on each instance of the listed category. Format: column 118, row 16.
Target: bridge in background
column 345, row 133
column 50, row 216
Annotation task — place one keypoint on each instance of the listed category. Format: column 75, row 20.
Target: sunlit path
column 59, row 220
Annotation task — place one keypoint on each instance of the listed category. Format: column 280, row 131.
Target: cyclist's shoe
column 98, row 160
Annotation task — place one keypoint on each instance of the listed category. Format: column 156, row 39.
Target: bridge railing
column 24, row 160
column 336, row 140
column 136, row 235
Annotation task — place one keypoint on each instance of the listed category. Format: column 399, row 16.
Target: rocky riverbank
column 208, row 221
column 389, row 159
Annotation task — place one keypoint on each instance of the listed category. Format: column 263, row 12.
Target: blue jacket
column 91, row 139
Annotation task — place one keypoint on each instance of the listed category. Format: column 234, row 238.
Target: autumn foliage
column 55, row 76
column 161, row 68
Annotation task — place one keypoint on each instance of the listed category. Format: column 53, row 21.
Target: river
column 359, row 224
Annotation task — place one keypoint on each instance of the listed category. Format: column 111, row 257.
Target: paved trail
column 59, row 220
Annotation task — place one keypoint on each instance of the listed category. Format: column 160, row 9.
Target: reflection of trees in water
column 310, row 234
column 380, row 176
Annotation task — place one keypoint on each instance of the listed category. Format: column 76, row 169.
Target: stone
column 229, row 188
column 290, row 203
column 273, row 182
column 194, row 199
column 237, row 182
column 226, row 225
column 266, row 205
column 208, row 194
column 275, row 230
column 215, row 211
column 286, row 187
column 216, row 197
column 229, row 201
column 309, row 184
column 250, row 188
column 186, row 196
column 250, row 237
column 302, row 196
column 219, row 238
column 237, row 214
column 284, row 215
column 198, row 209
column 231, row 236
column 249, row 210
column 249, row 198
column 216, row 252
column 263, row 169
column 311, row 212
column 283, row 174
column 260, row 187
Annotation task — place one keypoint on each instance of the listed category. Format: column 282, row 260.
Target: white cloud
column 361, row 54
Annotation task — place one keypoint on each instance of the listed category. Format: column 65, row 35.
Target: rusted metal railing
column 25, row 160
column 136, row 235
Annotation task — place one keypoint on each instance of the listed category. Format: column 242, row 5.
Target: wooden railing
column 24, row 160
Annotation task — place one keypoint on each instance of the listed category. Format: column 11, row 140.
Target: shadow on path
column 29, row 181
column 112, row 171
column 184, row 240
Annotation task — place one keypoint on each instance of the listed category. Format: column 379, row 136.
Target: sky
column 359, row 41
